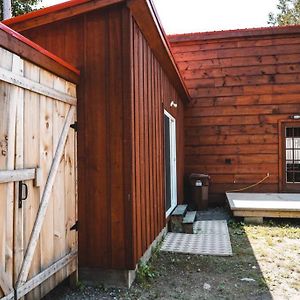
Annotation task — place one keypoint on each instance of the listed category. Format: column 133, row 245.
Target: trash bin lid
column 203, row 177
column 199, row 176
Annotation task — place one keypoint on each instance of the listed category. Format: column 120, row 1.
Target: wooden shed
column 38, row 200
column 243, row 122
column 131, row 102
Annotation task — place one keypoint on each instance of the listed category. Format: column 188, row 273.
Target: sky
column 182, row 16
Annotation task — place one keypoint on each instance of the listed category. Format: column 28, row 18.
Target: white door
column 170, row 163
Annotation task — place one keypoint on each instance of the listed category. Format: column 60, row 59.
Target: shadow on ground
column 179, row 276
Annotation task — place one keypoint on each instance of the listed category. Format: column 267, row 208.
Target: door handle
column 23, row 193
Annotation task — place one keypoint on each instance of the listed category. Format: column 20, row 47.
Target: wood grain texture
column 36, row 57
column 242, row 87
column 120, row 152
column 26, row 139
column 103, row 101
column 153, row 93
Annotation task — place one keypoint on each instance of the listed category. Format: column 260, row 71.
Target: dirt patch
column 265, row 265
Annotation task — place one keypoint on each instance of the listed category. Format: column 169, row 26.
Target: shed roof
column 17, row 43
column 226, row 34
column 57, row 12
column 144, row 13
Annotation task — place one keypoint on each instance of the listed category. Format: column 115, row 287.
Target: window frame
column 284, row 185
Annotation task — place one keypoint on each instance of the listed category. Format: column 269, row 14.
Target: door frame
column 283, row 185
column 173, row 163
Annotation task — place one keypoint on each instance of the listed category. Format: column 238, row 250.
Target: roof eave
column 143, row 12
column 158, row 41
column 20, row 45
column 56, row 13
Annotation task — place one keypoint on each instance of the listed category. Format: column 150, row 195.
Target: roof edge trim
column 157, row 39
column 38, row 48
column 61, row 11
column 227, row 34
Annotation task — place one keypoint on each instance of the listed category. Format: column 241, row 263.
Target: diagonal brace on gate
column 4, row 282
column 24, row 271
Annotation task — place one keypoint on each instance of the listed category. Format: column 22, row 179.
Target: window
column 292, row 154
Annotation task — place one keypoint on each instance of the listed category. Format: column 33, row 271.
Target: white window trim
column 173, row 163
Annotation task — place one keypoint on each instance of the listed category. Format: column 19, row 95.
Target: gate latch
column 74, row 126
column 23, row 192
column 75, row 226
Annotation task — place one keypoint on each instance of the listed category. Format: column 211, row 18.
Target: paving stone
column 212, row 239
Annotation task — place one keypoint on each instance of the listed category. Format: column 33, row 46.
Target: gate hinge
column 75, row 226
column 74, row 126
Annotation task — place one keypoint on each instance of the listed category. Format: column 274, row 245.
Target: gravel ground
column 264, row 266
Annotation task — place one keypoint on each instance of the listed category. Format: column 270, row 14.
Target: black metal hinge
column 75, row 226
column 74, row 126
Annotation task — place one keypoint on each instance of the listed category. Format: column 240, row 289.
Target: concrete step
column 180, row 210
column 188, row 221
column 177, row 217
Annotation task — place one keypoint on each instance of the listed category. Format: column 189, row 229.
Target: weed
column 145, row 272
column 80, row 285
column 262, row 282
column 270, row 241
column 235, row 225
column 155, row 251
column 221, row 287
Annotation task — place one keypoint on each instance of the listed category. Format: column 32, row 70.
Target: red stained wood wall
column 122, row 92
column 153, row 93
column 94, row 43
column 242, row 83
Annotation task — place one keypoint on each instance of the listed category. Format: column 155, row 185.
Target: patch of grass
column 296, row 285
column 270, row 241
column 235, row 225
column 80, row 285
column 279, row 229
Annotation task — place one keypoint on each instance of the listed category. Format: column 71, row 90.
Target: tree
column 289, row 13
column 20, row 7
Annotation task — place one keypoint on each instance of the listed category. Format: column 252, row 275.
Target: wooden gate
column 38, row 196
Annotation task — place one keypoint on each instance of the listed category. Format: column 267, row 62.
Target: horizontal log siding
column 152, row 93
column 241, row 87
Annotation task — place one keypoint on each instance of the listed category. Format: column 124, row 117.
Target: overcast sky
column 181, row 16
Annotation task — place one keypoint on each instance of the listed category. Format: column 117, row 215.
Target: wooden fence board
column 27, row 136
column 32, row 158
column 5, row 282
column 4, row 112
column 25, row 83
column 45, row 200
column 18, row 94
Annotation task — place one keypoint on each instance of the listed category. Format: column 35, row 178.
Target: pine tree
column 20, row 7
column 289, row 13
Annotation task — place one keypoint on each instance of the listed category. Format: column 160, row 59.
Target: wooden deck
column 261, row 205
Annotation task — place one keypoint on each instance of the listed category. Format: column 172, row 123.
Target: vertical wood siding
column 153, row 93
column 241, row 88
column 94, row 43
column 122, row 88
